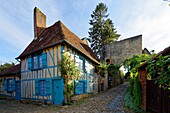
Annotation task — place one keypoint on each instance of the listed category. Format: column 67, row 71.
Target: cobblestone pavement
column 110, row 101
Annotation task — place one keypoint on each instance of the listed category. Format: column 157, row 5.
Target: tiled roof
column 55, row 34
column 14, row 70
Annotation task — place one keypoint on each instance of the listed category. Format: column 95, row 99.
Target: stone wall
column 102, row 80
column 121, row 50
column 96, row 83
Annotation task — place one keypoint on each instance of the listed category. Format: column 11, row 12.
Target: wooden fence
column 158, row 99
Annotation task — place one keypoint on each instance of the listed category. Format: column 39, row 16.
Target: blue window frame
column 9, row 85
column 37, row 61
column 82, row 64
column 81, row 87
column 30, row 63
column 43, row 60
column 43, row 87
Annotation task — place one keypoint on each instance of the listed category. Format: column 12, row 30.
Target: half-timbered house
column 40, row 76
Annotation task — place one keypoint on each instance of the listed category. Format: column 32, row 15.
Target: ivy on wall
column 133, row 97
column 158, row 68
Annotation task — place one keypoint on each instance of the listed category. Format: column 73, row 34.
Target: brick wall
column 143, row 80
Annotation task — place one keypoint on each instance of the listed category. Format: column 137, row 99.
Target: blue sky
column 151, row 18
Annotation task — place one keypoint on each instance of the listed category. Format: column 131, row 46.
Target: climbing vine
column 133, row 96
column 69, row 72
column 102, row 68
column 115, row 74
column 159, row 69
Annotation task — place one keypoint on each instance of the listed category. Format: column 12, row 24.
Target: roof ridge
column 66, row 31
column 55, row 34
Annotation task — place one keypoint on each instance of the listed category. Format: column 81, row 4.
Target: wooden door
column 18, row 90
column 58, row 91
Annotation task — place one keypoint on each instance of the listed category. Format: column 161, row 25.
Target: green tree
column 102, row 31
column 6, row 65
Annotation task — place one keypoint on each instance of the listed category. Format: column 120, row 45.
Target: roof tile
column 58, row 33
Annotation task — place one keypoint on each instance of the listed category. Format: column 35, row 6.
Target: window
column 40, row 62
column 43, row 87
column 37, row 61
column 80, row 66
column 80, row 63
column 9, row 85
column 81, row 87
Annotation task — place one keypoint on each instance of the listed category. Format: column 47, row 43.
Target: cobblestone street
column 110, row 101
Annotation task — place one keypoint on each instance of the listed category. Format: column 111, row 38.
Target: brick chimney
column 39, row 22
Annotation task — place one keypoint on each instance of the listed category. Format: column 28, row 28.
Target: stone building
column 124, row 49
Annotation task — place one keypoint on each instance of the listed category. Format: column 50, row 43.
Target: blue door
column 58, row 91
column 18, row 90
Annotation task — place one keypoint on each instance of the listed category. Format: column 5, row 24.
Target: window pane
column 42, row 87
column 35, row 62
column 80, row 64
column 9, row 85
column 40, row 61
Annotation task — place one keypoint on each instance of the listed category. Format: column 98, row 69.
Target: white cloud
column 151, row 19
column 133, row 17
column 14, row 35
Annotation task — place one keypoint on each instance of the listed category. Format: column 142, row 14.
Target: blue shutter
column 37, row 87
column 84, row 68
column 44, row 59
column 5, row 85
column 48, row 86
column 30, row 63
column 81, row 87
column 85, row 86
column 13, row 85
column 62, row 48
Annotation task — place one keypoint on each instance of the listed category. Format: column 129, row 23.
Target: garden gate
column 158, row 99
